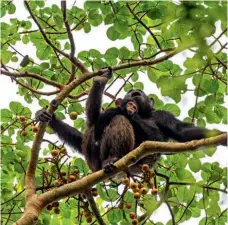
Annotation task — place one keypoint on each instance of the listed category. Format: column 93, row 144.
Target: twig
column 77, row 62
column 94, row 207
column 145, row 26
column 71, row 39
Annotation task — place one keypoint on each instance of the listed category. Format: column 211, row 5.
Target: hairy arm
column 181, row 131
column 94, row 101
column 68, row 134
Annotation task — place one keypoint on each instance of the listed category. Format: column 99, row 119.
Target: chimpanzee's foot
column 108, row 164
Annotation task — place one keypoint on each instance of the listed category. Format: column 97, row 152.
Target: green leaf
column 109, row 195
column 79, row 123
column 3, row 11
column 150, row 203
column 127, row 87
column 124, row 53
column 209, row 151
column 139, row 85
column 94, row 17
column 81, row 165
column 75, row 107
column 121, row 26
column 211, row 86
column 173, row 108
column 87, row 27
column 43, row 52
column 95, row 53
column 112, row 34
column 194, row 164
column 114, row 216
column 165, row 66
column 154, row 13
column 58, row 20
column 16, row 108
column 111, row 53
column 11, row 8
column 6, row 115
column 201, row 122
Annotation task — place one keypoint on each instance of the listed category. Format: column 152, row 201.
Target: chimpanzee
column 117, row 131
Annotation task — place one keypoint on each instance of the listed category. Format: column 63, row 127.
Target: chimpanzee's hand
column 43, row 116
column 105, row 76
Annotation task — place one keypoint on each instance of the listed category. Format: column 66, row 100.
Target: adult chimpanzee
column 114, row 133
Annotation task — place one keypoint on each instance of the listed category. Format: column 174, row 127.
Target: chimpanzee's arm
column 68, row 134
column 94, row 101
column 181, row 131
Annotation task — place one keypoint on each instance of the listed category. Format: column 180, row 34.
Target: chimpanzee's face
column 144, row 103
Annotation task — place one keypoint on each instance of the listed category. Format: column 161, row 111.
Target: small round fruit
column 89, row 219
column 125, row 181
column 63, row 173
column 56, row 210
column 64, row 180
column 72, row 178
column 129, row 205
column 136, row 190
column 140, row 186
column 55, row 204
column 49, row 207
column 145, row 167
column 152, row 174
column 57, row 183
column 94, row 193
column 73, row 115
column 133, row 185
column 35, row 129
column 22, row 118
column 76, row 171
column 132, row 215
column 134, row 222
column 121, row 205
column 143, row 191
column 87, row 213
column 24, row 133
column 55, row 152
column 63, row 151
column 137, row 195
column 154, row 191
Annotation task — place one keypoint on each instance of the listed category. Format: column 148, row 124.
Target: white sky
column 97, row 39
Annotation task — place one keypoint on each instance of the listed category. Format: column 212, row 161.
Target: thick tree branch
column 146, row 148
column 36, row 203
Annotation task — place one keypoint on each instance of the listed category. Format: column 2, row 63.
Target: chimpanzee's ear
column 118, row 102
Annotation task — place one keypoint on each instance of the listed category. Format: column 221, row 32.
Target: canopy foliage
column 156, row 32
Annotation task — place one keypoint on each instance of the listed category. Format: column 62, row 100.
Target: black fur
column 114, row 133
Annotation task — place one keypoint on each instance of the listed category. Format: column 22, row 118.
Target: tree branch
column 145, row 26
column 94, row 207
column 32, row 75
column 71, row 39
column 77, row 63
